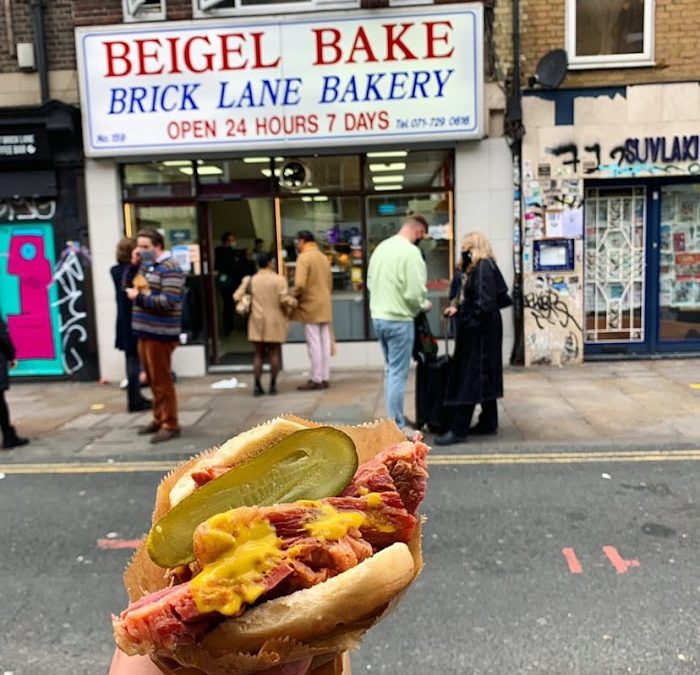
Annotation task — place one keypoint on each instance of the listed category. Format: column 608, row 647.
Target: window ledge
column 610, row 63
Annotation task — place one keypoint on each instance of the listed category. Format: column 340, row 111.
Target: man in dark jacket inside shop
column 155, row 287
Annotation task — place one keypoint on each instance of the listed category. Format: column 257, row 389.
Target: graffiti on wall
column 552, row 307
column 648, row 156
column 42, row 299
column 27, row 209
column 69, row 276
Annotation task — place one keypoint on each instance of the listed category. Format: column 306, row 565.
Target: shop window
column 212, row 8
column 178, row 225
column 610, row 34
column 679, row 264
column 158, row 180
column 311, row 175
column 385, row 214
column 337, row 226
column 395, row 170
column 143, row 10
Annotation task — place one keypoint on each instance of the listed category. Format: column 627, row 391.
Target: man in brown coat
column 313, row 283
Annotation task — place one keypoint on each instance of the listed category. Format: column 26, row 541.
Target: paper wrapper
column 215, row 655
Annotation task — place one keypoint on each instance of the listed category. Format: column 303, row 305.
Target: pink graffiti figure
column 31, row 330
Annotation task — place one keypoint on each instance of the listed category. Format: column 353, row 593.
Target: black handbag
column 425, row 347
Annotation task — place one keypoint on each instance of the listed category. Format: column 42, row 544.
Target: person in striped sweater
column 155, row 285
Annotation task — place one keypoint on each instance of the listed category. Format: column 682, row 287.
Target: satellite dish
column 294, row 175
column 551, row 70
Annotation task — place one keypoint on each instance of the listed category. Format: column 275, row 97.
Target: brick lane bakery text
column 349, row 76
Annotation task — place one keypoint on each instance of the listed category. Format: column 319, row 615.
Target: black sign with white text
column 23, row 144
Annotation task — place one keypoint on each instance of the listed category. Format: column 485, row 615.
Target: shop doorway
column 237, row 229
column 642, row 268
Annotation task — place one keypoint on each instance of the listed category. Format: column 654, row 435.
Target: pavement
column 640, row 405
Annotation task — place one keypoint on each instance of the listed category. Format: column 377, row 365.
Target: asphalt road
column 551, row 567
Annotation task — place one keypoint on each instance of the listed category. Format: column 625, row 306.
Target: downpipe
column 40, row 38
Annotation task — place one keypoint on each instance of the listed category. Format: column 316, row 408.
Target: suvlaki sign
column 334, row 79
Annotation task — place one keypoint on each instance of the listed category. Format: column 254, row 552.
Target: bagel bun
column 236, row 450
column 362, row 591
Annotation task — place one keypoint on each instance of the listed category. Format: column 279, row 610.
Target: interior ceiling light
column 388, row 153
column 322, row 198
column 267, row 173
column 205, row 170
column 306, row 199
column 209, row 170
column 309, row 191
column 388, row 187
column 388, row 179
column 177, row 162
column 256, row 160
column 394, row 166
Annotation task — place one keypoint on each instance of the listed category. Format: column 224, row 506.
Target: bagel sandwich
column 269, row 582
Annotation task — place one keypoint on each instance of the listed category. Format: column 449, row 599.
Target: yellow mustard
column 238, row 548
column 238, row 556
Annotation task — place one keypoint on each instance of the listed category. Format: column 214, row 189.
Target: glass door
column 238, row 216
column 237, row 230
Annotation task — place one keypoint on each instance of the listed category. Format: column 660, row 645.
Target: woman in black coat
column 476, row 374
column 125, row 339
column 10, row 439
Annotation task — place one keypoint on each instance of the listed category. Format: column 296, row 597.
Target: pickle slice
column 308, row 464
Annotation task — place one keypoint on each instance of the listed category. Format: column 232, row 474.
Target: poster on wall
column 30, row 298
column 386, row 75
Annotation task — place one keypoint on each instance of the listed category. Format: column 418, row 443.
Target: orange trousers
column 156, row 359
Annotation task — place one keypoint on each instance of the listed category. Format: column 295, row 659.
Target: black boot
column 12, row 440
column 259, row 391
column 273, row 387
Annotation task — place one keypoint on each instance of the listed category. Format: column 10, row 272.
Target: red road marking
column 572, row 561
column 617, row 561
column 118, row 543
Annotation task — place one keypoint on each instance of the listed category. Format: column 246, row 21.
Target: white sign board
column 354, row 78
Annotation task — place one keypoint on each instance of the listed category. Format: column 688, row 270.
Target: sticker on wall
column 30, row 298
column 555, row 223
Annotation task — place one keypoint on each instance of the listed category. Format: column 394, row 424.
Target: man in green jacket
column 396, row 279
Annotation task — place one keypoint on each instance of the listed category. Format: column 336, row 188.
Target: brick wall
column 58, row 24
column 676, row 56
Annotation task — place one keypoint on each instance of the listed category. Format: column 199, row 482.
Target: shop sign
column 333, row 79
column 22, row 144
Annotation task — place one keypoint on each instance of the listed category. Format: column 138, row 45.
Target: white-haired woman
column 476, row 375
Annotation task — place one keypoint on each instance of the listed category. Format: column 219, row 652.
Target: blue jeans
column 396, row 338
